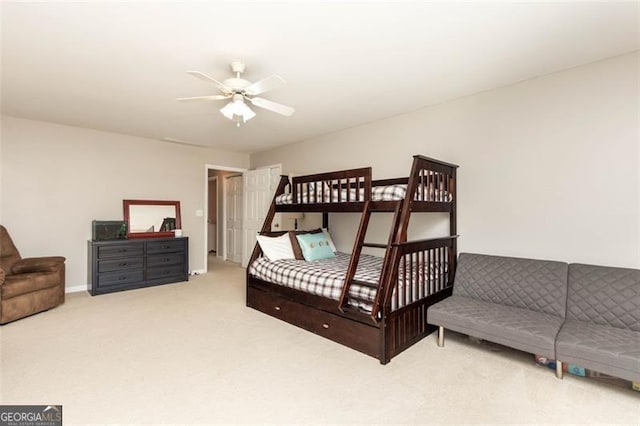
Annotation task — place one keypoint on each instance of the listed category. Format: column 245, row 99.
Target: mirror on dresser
column 151, row 218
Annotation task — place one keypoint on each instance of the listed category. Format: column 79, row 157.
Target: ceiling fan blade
column 264, row 85
column 204, row 98
column 272, row 106
column 205, row 77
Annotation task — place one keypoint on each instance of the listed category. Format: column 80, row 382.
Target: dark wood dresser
column 135, row 263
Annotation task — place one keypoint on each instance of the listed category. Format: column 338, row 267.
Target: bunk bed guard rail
column 424, row 268
column 335, row 187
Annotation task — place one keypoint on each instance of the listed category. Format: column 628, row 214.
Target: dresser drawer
column 166, row 246
column 111, row 279
column 120, row 250
column 165, row 271
column 165, row 259
column 121, row 264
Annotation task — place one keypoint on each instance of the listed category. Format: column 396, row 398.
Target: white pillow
column 276, row 248
column 331, row 244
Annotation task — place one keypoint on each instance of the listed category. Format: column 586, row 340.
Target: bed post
column 398, row 235
column 385, row 353
column 453, row 227
column 325, row 220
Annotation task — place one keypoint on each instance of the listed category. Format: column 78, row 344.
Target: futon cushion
column 602, row 348
column 518, row 328
column 604, row 295
column 537, row 285
column 16, row 285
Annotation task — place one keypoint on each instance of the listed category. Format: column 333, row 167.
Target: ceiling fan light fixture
column 237, row 107
column 227, row 110
column 242, row 92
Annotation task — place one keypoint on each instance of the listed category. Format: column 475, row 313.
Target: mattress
column 325, row 277
column 378, row 193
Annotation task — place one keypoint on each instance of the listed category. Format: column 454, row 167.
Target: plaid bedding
column 302, row 198
column 326, row 277
column 323, row 277
column 378, row 193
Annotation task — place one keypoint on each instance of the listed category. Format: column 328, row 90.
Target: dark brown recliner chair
column 27, row 286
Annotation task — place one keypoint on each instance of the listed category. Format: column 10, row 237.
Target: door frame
column 217, row 183
column 208, row 167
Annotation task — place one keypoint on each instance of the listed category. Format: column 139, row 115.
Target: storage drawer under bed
column 362, row 337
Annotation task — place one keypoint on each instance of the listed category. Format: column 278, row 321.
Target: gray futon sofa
column 581, row 314
column 602, row 328
column 515, row 302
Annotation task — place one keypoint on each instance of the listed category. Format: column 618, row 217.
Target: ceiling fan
column 239, row 90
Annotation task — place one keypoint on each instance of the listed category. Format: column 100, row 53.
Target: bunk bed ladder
column 390, row 258
column 355, row 257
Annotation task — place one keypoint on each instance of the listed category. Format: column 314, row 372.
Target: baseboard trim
column 76, row 289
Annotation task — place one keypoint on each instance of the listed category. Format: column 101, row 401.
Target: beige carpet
column 193, row 353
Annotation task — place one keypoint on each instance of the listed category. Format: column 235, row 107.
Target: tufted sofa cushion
column 518, row 328
column 602, row 330
column 537, row 285
column 609, row 350
column 604, row 296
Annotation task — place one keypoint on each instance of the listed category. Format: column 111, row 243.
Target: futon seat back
column 604, row 296
column 537, row 285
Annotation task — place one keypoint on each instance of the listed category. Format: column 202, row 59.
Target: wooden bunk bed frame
column 385, row 331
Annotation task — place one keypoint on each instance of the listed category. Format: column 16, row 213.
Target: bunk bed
column 376, row 305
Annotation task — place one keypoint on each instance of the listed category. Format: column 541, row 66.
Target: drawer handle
column 123, row 264
column 122, row 250
column 325, row 325
column 277, row 308
column 122, row 278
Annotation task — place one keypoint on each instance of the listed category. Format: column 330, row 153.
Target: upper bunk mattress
column 378, row 193
column 325, row 277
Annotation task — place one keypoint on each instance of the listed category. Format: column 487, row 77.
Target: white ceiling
column 119, row 66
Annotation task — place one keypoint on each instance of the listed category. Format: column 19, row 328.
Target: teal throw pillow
column 315, row 246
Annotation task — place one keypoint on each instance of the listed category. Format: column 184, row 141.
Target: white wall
column 1, row 118
column 57, row 179
column 548, row 167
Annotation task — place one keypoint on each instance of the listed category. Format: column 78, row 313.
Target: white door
column 233, row 217
column 257, row 199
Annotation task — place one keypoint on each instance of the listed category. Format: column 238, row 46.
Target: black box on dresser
column 136, row 263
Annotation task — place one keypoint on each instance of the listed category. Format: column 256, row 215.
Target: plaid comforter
column 326, row 277
column 323, row 277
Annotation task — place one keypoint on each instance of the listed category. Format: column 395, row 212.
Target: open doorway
column 242, row 201
column 216, row 214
